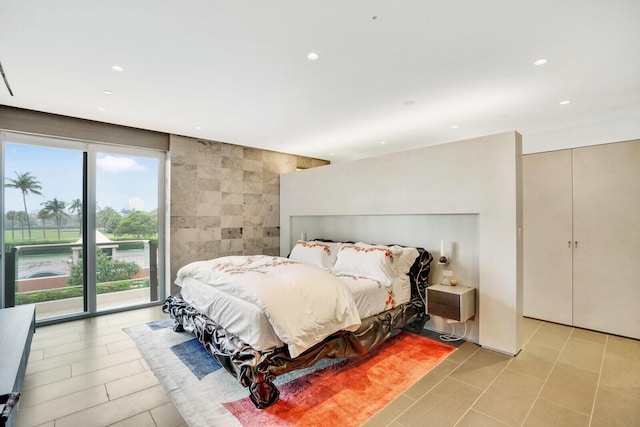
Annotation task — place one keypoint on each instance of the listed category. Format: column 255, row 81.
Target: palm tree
column 76, row 206
column 108, row 219
column 55, row 209
column 21, row 218
column 26, row 183
column 43, row 216
column 12, row 216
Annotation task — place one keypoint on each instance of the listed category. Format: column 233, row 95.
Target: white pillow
column 319, row 254
column 404, row 261
column 402, row 282
column 371, row 261
column 401, row 290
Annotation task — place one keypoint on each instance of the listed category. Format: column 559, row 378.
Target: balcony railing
column 40, row 274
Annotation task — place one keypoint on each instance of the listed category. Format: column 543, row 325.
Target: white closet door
column 547, row 288
column 606, row 221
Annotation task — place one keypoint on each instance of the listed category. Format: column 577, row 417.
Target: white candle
column 302, row 236
column 441, row 247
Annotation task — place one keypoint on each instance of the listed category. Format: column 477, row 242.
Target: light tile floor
column 89, row 373
column 563, row 376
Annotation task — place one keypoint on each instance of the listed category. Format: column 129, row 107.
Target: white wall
column 479, row 176
column 459, row 233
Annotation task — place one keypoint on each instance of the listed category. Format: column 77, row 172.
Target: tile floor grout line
column 81, row 389
column 105, row 403
column 81, row 349
column 104, row 385
column 595, row 398
column 484, row 391
column 483, row 413
column 544, row 383
column 436, row 384
column 79, row 410
column 537, row 329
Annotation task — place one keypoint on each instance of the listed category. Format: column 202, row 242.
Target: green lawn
column 35, row 297
column 50, row 236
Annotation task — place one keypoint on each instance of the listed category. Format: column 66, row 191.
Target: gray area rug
column 198, row 396
column 194, row 380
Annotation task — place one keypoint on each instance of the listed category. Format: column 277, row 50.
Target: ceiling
column 409, row 74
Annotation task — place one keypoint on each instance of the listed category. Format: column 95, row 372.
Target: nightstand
column 453, row 302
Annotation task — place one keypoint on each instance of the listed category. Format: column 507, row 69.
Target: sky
column 122, row 181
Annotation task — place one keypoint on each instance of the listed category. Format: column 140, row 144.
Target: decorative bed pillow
column 404, row 262
column 319, row 254
column 371, row 261
column 401, row 289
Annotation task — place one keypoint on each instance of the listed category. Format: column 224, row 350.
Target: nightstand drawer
column 443, row 298
column 448, row 311
column 452, row 302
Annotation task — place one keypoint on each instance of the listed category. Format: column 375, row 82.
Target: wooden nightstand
column 453, row 302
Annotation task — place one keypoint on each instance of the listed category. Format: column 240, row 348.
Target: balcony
column 50, row 276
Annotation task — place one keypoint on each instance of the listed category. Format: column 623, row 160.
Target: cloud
column 118, row 164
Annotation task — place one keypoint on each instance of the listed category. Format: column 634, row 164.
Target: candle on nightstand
column 441, row 248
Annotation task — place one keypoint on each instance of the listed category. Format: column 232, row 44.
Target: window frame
column 90, row 150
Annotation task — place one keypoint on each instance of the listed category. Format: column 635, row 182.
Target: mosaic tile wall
column 225, row 199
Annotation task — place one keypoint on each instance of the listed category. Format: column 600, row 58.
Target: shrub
column 108, row 270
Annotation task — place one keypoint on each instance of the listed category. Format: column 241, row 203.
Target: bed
column 262, row 316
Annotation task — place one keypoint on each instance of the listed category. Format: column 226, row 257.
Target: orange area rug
column 349, row 392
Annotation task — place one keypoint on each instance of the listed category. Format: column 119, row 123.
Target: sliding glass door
column 40, row 185
column 126, row 228
column 82, row 225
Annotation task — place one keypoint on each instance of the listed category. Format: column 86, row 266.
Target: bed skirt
column 258, row 369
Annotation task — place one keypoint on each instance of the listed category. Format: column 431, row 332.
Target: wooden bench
column 17, row 325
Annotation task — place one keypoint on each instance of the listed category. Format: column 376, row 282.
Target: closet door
column 547, row 288
column 606, row 221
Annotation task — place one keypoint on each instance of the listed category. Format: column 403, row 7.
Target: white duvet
column 372, row 297
column 303, row 304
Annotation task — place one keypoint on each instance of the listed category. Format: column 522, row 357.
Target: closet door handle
column 569, row 244
column 576, row 244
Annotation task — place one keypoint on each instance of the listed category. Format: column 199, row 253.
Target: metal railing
column 11, row 258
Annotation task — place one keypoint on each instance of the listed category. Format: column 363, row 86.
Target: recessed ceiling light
column 101, row 109
column 383, row 142
column 454, row 126
column 332, row 154
column 565, row 102
column 409, row 102
column 540, row 61
column 199, row 127
column 117, row 68
column 108, row 92
column 312, row 56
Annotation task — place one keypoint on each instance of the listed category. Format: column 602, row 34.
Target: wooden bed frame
column 258, row 369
